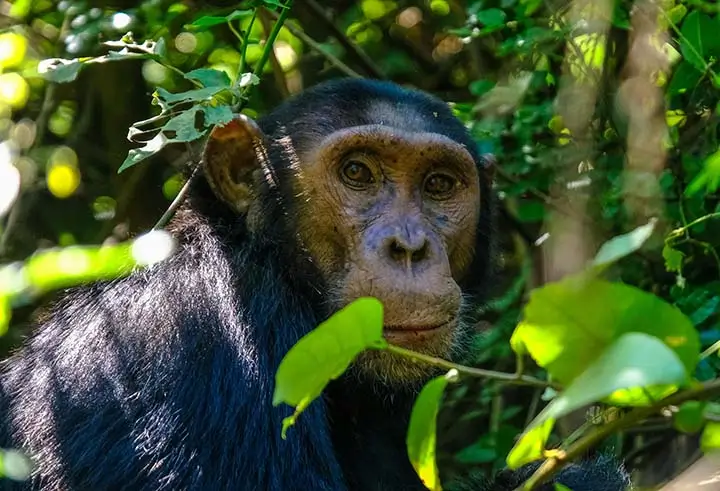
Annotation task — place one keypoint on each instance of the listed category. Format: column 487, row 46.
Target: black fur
column 163, row 380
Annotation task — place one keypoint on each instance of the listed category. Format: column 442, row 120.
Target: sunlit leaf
column 325, row 353
column 421, row 434
column 624, row 245
column 531, row 445
column 5, row 312
column 150, row 148
column 568, row 324
column 629, row 368
column 676, row 14
column 710, row 439
column 708, row 179
column 673, row 259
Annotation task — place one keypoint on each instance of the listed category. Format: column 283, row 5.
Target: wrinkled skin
column 163, row 380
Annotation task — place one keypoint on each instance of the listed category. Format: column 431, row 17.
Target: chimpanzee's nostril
column 397, row 251
column 421, row 253
column 402, row 252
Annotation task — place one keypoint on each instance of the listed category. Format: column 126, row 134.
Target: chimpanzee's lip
column 414, row 327
column 411, row 334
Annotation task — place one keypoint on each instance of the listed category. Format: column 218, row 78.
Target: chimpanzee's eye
column 356, row 174
column 440, row 186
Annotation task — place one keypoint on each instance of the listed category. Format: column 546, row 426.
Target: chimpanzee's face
column 387, row 210
column 392, row 214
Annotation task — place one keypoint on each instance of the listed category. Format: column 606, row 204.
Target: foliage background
column 500, row 63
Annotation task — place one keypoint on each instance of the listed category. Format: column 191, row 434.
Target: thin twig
column 165, row 218
column 370, row 67
column 508, row 378
column 276, row 66
column 317, row 47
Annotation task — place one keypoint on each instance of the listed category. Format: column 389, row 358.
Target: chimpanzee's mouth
column 414, row 327
column 401, row 333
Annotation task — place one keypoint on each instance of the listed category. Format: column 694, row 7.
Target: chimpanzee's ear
column 232, row 155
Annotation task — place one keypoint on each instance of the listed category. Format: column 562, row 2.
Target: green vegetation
column 603, row 117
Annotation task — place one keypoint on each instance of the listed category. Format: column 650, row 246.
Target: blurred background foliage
column 499, row 63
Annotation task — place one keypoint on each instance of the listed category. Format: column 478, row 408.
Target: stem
column 243, row 53
column 317, row 47
column 370, row 67
column 681, row 230
column 271, row 38
column 165, row 218
column 509, row 378
column 555, row 463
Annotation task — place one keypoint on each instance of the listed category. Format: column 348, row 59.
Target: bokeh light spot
column 440, row 7
column 14, row 90
column 63, row 175
column 186, row 42
column 12, row 49
column 121, row 21
column 153, row 247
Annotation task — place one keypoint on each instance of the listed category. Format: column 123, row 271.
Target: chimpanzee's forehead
column 329, row 108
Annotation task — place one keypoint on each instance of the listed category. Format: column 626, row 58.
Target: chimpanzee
column 163, row 380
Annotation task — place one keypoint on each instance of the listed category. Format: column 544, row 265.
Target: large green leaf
column 630, row 368
column 325, row 353
column 421, row 434
column 699, row 39
column 567, row 325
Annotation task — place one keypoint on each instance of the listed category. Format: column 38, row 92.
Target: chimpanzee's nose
column 408, row 250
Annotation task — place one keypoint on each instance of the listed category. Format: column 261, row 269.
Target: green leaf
column 59, row 70
column 530, row 211
column 325, row 353
column 217, row 115
column 630, row 367
column 421, row 434
column 624, row 245
column 689, row 417
column 676, row 14
column 705, row 311
column 209, row 77
column 5, row 312
column 708, row 178
column 477, row 453
column 150, row 148
column 207, row 21
column 195, row 95
column 561, row 487
column 567, row 325
column 673, row 259
column 698, row 39
column 684, row 78
column 531, row 445
column 491, row 18
column 185, row 126
column 710, row 439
